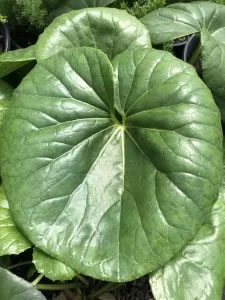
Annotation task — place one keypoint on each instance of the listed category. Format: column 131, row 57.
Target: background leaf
column 180, row 19
column 59, row 8
column 213, row 68
column 199, row 271
column 13, row 60
column 51, row 268
column 15, row 288
column 12, row 241
column 110, row 30
column 5, row 95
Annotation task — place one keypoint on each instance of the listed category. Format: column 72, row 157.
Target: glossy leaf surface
column 199, row 271
column 51, row 268
column 15, row 288
column 12, row 240
column 112, row 200
column 180, row 19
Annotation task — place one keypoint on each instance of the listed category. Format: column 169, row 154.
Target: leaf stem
column 38, row 279
column 106, row 288
column 24, row 263
column 82, row 279
column 57, row 287
column 193, row 59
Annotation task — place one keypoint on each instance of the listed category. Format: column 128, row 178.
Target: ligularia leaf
column 180, row 19
column 12, row 240
column 206, row 18
column 111, row 168
column 110, row 30
column 15, row 288
column 51, row 268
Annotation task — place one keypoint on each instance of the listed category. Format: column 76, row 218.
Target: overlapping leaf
column 110, row 30
column 199, row 271
column 180, row 19
column 5, row 95
column 15, row 288
column 207, row 18
column 13, row 60
column 113, row 199
column 59, row 8
column 51, row 268
column 12, row 241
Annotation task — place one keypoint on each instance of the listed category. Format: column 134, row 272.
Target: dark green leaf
column 74, row 4
column 12, row 240
column 15, row 288
column 68, row 5
column 5, row 95
column 180, row 19
column 112, row 200
column 213, row 68
column 108, row 29
column 198, row 272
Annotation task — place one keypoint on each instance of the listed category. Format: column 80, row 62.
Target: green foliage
column 25, row 12
column 141, row 7
column 33, row 11
column 3, row 19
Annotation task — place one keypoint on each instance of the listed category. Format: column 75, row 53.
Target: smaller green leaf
column 213, row 68
column 13, row 60
column 50, row 267
column 12, row 240
column 5, row 95
column 74, row 4
column 13, row 287
column 198, row 272
column 180, row 19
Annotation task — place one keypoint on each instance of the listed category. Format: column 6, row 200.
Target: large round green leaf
column 180, row 19
column 112, row 195
column 13, row 60
column 108, row 29
column 15, row 288
column 198, row 272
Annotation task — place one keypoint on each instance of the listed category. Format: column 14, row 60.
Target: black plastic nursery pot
column 185, row 47
column 5, row 38
column 190, row 47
